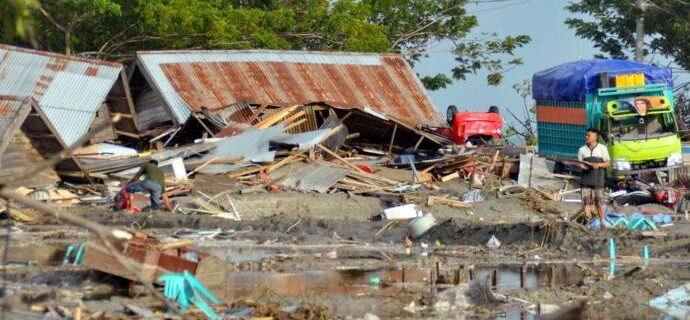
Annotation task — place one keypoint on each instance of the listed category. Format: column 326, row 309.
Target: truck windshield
column 643, row 127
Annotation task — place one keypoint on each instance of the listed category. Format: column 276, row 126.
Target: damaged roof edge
column 188, row 79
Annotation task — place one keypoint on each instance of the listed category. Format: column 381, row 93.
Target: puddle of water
column 388, row 280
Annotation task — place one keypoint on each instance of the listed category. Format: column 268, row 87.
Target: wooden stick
column 294, row 124
column 275, row 118
column 345, row 162
column 197, row 169
column 453, row 203
column 390, row 146
column 174, row 244
column 294, row 117
column 286, row 160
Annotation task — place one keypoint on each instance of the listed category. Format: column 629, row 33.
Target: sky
column 552, row 44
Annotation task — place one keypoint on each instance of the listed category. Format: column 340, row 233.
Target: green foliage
column 439, row 81
column 610, row 24
column 113, row 29
column 16, row 21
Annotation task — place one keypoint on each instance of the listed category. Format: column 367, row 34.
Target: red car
column 475, row 127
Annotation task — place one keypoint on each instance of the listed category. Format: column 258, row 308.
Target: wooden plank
column 452, row 176
column 432, row 200
column 275, row 118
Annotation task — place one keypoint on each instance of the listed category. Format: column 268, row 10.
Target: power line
column 499, row 7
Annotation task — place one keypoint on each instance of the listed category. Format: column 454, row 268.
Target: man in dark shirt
column 593, row 181
column 153, row 183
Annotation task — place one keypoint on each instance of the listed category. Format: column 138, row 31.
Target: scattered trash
column 187, row 291
column 473, row 196
column 419, row 226
column 675, row 302
column 493, row 243
column 408, row 211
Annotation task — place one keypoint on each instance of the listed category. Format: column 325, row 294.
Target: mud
column 299, row 256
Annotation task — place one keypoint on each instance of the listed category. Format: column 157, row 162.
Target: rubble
column 273, row 182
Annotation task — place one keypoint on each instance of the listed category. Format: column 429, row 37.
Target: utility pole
column 639, row 32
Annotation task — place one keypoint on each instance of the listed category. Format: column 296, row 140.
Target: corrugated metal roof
column 9, row 110
column 69, row 89
column 385, row 83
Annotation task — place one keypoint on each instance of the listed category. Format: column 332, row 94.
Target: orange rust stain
column 91, row 71
column 561, row 115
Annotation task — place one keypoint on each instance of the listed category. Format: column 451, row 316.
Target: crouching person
column 153, row 183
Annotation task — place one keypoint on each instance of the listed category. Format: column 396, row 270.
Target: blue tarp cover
column 574, row 80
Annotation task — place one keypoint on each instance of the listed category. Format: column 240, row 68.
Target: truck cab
column 638, row 126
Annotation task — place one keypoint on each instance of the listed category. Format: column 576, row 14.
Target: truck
column 474, row 127
column 630, row 103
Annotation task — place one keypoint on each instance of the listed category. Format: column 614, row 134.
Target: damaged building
column 74, row 95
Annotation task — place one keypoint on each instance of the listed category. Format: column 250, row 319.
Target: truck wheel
column 450, row 114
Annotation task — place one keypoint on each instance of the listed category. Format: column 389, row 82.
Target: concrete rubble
column 312, row 209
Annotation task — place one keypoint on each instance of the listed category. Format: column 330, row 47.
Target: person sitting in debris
column 154, row 183
column 596, row 159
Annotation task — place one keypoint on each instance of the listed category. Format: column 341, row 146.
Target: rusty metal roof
column 69, row 89
column 385, row 83
column 9, row 111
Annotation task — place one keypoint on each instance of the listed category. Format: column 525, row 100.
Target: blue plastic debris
column 186, row 290
column 78, row 251
column 240, row 312
column 675, row 302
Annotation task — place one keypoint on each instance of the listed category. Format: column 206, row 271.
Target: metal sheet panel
column 9, row 108
column 313, row 177
column 70, row 89
column 383, row 82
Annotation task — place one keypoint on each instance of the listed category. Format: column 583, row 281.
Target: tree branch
column 50, row 18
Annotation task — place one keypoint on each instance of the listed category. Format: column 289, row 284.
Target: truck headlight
column 674, row 159
column 621, row 165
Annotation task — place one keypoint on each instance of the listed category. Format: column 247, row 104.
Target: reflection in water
column 390, row 280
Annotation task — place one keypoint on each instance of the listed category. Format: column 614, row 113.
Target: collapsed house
column 220, row 90
column 27, row 138
column 74, row 94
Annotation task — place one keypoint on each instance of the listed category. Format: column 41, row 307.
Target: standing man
column 596, row 156
column 153, row 183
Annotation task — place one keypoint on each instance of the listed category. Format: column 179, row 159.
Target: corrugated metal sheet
column 383, row 82
column 9, row 108
column 309, row 176
column 69, row 89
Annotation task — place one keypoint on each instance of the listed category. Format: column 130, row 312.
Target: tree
column 16, row 20
column 115, row 29
column 525, row 130
column 69, row 15
column 610, row 24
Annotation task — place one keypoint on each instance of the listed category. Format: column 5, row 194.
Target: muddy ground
column 297, row 255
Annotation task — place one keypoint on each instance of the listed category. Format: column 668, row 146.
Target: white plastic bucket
column 421, row 225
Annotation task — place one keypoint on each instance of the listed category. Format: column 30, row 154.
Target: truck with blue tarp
column 630, row 103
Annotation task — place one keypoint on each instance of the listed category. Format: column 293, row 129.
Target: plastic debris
column 78, row 251
column 408, row 211
column 674, row 302
column 186, row 290
column 493, row 243
column 473, row 196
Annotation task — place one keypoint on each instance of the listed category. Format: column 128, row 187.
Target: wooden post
column 438, row 270
column 523, row 276
column 552, row 276
column 395, row 131
column 402, row 277
column 471, row 273
column 495, row 278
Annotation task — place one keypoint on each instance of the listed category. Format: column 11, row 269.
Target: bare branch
column 50, row 18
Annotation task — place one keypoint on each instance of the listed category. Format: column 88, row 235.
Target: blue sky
column 552, row 44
